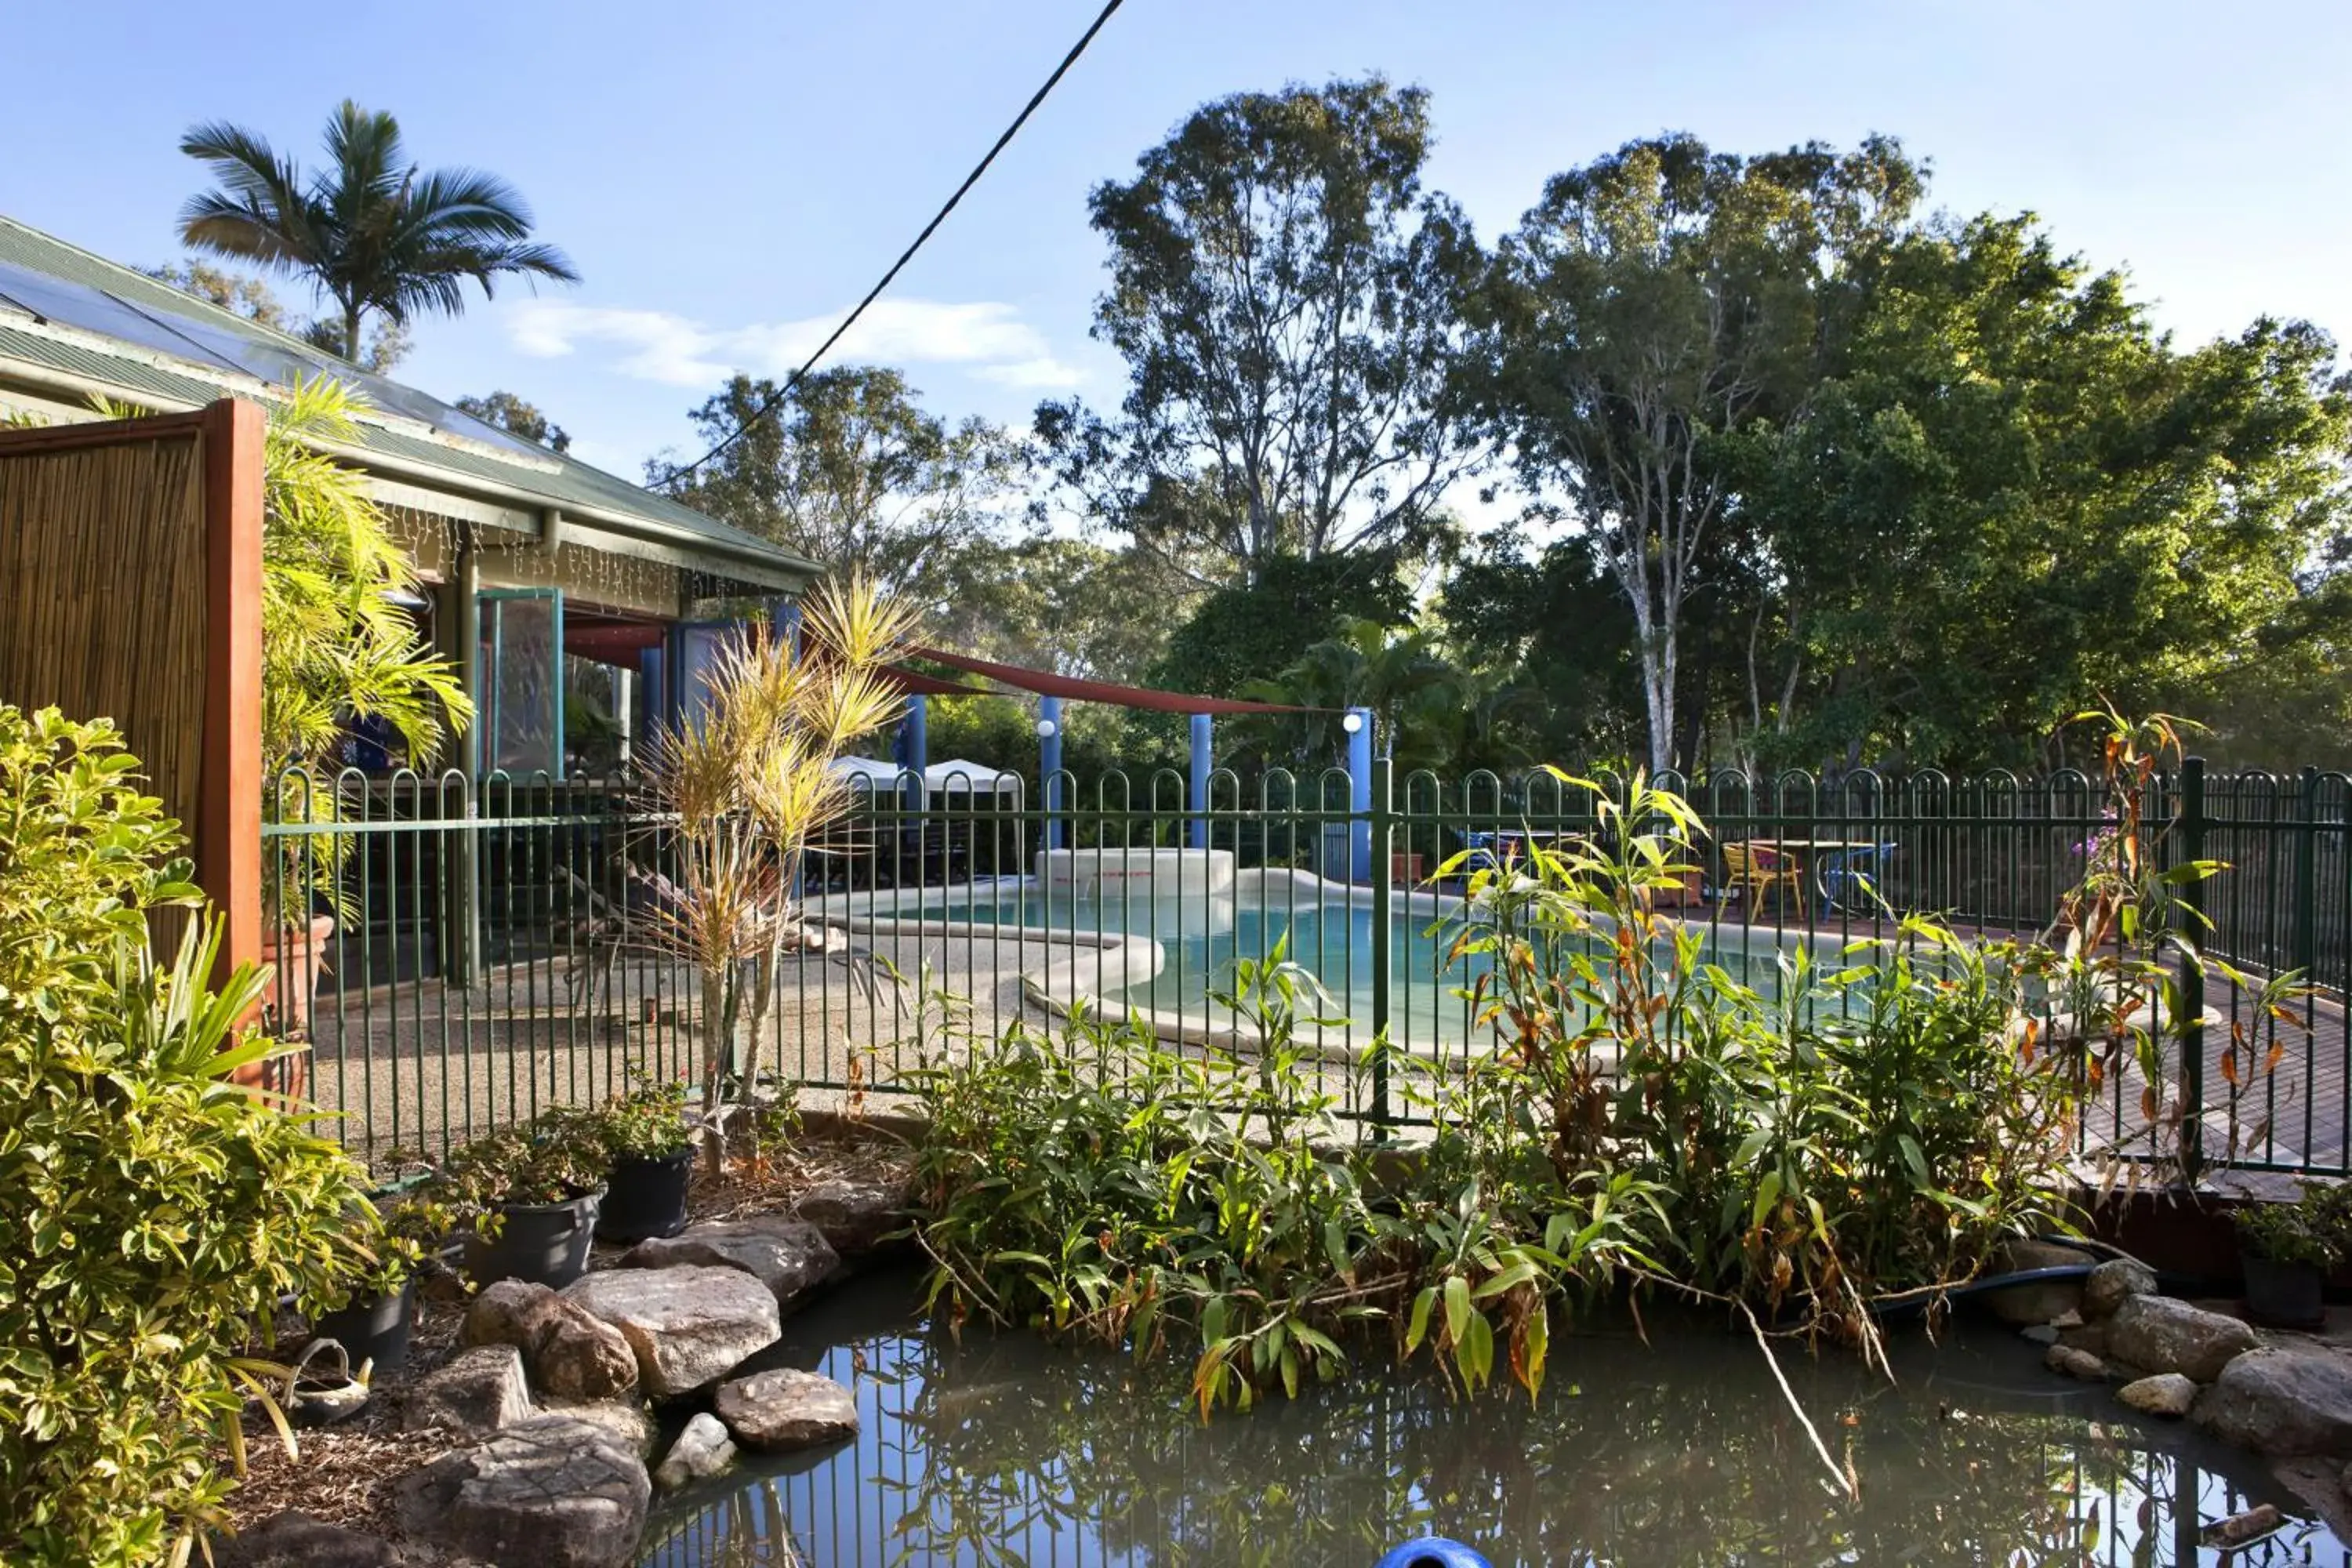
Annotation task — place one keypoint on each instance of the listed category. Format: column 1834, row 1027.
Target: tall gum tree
column 1287, row 299
column 1656, row 302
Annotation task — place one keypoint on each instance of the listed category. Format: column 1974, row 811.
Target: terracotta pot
column 295, row 960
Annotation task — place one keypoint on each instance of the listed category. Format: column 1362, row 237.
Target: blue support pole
column 1359, row 796
column 1204, row 738
column 914, row 748
column 1049, row 767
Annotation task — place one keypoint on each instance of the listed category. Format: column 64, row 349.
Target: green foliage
column 370, row 230
column 850, row 471
column 2310, row 1230
column 517, row 418
column 558, row 1155
column 646, row 1121
column 1254, row 630
column 158, row 1211
column 1872, row 1129
column 1287, row 301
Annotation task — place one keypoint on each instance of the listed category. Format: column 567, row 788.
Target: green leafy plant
column 648, row 1121
column 557, row 1156
column 2309, row 1231
column 158, row 1210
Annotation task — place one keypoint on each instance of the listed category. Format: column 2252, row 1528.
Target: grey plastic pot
column 543, row 1244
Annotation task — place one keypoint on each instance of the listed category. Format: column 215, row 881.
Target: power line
column 775, row 402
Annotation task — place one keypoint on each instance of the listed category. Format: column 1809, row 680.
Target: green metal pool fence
column 499, row 946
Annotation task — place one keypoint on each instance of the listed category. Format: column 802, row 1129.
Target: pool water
column 1201, row 938
column 1680, row 1451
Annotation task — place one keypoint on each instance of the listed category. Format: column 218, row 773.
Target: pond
column 1682, row 1451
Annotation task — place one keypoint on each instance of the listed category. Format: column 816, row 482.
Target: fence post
column 2306, row 875
column 1379, row 823
column 2189, row 1009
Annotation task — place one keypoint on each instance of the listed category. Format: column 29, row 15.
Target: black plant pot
column 543, row 1244
column 646, row 1197
column 2284, row 1295
column 375, row 1330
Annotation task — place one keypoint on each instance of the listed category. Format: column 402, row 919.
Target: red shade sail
column 1047, row 684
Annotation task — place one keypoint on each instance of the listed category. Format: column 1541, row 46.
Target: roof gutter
column 770, row 568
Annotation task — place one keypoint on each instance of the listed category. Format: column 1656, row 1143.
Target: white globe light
column 1046, row 728
column 1352, row 723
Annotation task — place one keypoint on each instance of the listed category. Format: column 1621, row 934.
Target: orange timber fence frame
column 131, row 589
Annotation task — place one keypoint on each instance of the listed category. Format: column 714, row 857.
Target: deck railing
column 499, row 946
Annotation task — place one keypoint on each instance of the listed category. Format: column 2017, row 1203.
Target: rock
column 2239, row 1529
column 507, row 1313
column 702, row 1450
column 2075, row 1364
column 688, row 1326
column 555, row 1492
column 2163, row 1334
column 569, row 1352
column 2044, row 1299
column 2091, row 1337
column 482, row 1391
column 2165, row 1394
column 583, row 1357
column 2114, row 1282
column 628, row 1423
column 295, row 1540
column 788, row 1255
column 2040, row 1333
column 2066, row 1320
column 2282, row 1401
column 786, row 1409
column 856, row 1212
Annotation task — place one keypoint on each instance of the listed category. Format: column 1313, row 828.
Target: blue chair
column 1841, row 877
column 1433, row 1551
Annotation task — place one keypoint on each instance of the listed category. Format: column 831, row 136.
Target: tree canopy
column 1286, row 295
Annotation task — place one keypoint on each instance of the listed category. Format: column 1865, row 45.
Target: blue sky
column 729, row 178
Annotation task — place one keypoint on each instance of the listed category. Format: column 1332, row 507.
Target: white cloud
column 988, row 338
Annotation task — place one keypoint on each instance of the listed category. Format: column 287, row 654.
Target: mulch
column 345, row 1473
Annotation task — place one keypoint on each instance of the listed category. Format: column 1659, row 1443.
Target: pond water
column 1682, row 1451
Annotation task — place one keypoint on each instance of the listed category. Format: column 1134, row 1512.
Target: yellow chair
column 1756, row 871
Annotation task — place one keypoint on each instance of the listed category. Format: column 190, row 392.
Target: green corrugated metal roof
column 407, row 425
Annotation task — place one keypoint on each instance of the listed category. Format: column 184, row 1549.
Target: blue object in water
column 1433, row 1551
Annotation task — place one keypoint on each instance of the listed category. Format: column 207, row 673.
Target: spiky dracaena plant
column 747, row 782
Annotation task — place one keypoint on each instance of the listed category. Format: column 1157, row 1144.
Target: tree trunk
column 351, row 334
column 718, row 1049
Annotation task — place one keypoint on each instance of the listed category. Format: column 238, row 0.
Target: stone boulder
column 2164, row 1333
column 2043, row 1300
column 688, row 1326
column 295, row 1540
column 555, row 1492
column 2296, row 1400
column 2113, row 1283
column 702, row 1450
column 786, row 1408
column 790, row 1256
column 569, row 1352
column 626, row 1421
column 482, row 1391
column 854, row 1212
column 2075, row 1364
column 2165, row 1394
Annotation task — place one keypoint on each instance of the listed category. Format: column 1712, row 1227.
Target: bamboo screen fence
column 130, row 589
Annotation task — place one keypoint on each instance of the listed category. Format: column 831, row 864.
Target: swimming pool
column 1192, row 946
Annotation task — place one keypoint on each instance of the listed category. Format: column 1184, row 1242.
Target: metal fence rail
column 498, row 947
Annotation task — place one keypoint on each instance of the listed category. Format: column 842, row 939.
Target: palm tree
column 369, row 230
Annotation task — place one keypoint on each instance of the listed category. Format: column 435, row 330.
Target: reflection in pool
column 1679, row 1452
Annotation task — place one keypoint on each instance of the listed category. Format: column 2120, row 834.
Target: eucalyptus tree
column 1654, row 303
column 852, row 471
column 369, row 230
column 1286, row 296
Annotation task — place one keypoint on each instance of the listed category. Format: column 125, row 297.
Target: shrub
column 156, row 1211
